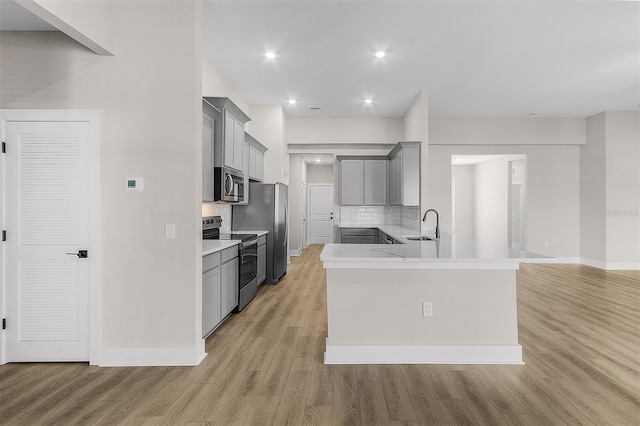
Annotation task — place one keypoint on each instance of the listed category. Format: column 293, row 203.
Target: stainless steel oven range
column 248, row 253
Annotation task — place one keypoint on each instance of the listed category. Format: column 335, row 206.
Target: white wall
column 593, row 190
column 268, row 125
column 319, row 174
column 506, row 131
column 416, row 124
column 553, row 192
column 149, row 94
column 464, row 200
column 348, row 130
column 89, row 23
column 610, row 191
column 491, row 200
column 214, row 85
column 297, row 175
column 623, row 188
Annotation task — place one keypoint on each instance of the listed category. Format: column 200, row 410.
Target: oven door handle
column 249, row 244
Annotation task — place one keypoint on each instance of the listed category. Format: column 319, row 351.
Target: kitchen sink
column 420, row 238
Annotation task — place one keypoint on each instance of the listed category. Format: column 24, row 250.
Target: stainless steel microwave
column 228, row 185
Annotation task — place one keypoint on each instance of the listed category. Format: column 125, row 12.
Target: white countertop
column 251, row 231
column 212, row 246
column 450, row 251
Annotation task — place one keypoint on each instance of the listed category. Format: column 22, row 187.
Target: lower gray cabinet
column 229, row 283
column 219, row 287
column 210, row 293
column 358, row 236
column 210, row 306
column 262, row 259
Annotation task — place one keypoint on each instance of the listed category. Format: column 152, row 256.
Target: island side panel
column 384, row 307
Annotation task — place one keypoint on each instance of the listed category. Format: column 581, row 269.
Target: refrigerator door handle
column 286, row 223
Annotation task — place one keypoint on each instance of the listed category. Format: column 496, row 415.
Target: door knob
column 82, row 254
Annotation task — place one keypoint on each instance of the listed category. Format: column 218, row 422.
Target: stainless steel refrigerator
column 267, row 211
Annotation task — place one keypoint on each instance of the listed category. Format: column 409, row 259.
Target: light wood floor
column 579, row 328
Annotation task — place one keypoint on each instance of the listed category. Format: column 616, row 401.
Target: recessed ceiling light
column 317, row 160
column 381, row 54
column 368, row 101
column 292, row 101
column 270, row 55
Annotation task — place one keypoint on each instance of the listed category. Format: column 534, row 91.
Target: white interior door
column 47, row 205
column 320, row 214
column 517, row 198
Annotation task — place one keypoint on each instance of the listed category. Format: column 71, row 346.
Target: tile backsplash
column 222, row 210
column 411, row 217
column 408, row 217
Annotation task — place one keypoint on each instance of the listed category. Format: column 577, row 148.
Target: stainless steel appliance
column 267, row 211
column 247, row 252
column 228, row 185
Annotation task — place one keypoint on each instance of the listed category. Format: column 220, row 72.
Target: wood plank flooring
column 579, row 328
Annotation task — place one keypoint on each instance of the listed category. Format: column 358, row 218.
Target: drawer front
column 210, row 261
column 228, row 254
column 262, row 240
column 358, row 232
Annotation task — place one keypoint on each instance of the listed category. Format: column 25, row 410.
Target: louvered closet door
column 47, row 217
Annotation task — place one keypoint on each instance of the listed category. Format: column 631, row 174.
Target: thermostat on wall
column 134, row 184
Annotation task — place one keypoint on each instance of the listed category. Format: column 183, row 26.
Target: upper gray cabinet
column 375, row 182
column 404, row 175
column 351, row 182
column 228, row 132
column 255, row 166
column 207, row 156
column 363, row 181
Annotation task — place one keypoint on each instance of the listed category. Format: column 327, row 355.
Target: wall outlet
column 170, row 231
column 546, row 243
column 427, row 309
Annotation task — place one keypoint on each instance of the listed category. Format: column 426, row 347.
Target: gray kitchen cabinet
column 404, row 175
column 363, row 181
column 262, row 259
column 351, row 182
column 228, row 133
column 229, row 280
column 219, row 287
column 375, row 182
column 207, row 157
column 358, row 236
column 211, row 315
column 255, row 166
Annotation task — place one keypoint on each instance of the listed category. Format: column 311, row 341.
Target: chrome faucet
column 424, row 219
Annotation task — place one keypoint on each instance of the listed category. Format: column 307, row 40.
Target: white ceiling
column 475, row 59
column 14, row 17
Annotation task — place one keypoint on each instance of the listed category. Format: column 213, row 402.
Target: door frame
column 94, row 119
column 303, row 216
column 310, row 186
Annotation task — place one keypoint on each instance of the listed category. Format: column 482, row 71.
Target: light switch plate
column 427, row 309
column 170, row 231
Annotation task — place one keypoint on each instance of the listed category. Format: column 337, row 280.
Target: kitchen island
column 450, row 300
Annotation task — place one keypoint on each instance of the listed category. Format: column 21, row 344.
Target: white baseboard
column 611, row 266
column 152, row 357
column 445, row 354
column 572, row 260
column 295, row 252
